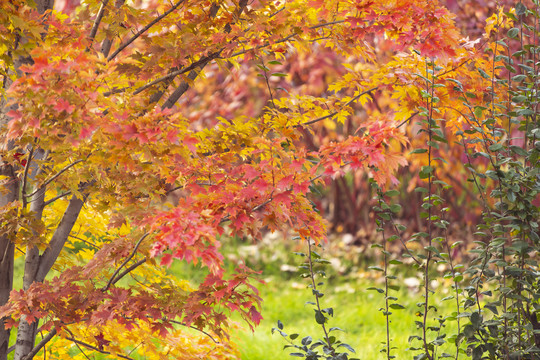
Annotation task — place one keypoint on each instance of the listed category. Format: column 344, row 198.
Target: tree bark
column 38, row 266
column 10, row 194
column 7, row 253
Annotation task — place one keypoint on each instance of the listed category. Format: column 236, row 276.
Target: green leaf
column 348, row 347
column 319, row 317
column 335, row 328
column 280, row 325
column 391, row 193
column 396, row 306
column 521, row 9
column 519, row 99
column 518, row 150
column 478, row 110
column 307, row 340
column 513, row 33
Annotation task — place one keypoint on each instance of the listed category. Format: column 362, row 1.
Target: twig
column 139, row 33
column 84, row 241
column 91, row 347
column 173, row 74
column 125, row 262
column 25, row 177
column 316, row 293
column 195, row 328
column 285, row 39
column 407, row 120
column 47, row 182
column 128, row 270
column 50, row 201
column 40, row 345
column 99, row 17
column 337, row 112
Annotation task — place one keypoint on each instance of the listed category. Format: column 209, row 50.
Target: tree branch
column 125, row 262
column 40, row 345
column 152, row 23
column 129, row 269
column 195, row 328
column 337, row 112
column 173, row 74
column 25, row 176
column 49, row 256
column 184, row 85
column 50, row 201
column 91, row 347
column 285, row 39
column 47, row 182
column 99, row 17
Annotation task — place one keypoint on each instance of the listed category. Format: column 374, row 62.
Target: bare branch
column 125, row 262
column 139, row 33
column 25, row 175
column 195, row 328
column 47, row 182
column 50, row 201
column 184, row 86
column 173, row 74
column 285, row 39
column 91, row 347
column 337, row 112
column 407, row 119
column 41, row 344
column 49, row 256
column 85, row 241
column 99, row 17
column 129, row 269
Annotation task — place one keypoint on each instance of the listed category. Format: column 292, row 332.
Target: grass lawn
column 356, row 312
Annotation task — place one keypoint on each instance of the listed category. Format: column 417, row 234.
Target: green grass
column 356, row 312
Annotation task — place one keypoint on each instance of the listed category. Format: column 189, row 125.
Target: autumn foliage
column 137, row 133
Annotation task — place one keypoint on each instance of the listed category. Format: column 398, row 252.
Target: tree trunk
column 10, row 193
column 38, row 266
column 7, row 254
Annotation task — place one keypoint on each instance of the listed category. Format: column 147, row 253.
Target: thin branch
column 184, row 86
column 59, row 238
column 407, row 120
column 99, row 17
column 152, row 23
column 84, row 241
column 125, row 262
column 195, row 328
column 128, row 270
column 337, row 112
column 47, row 182
column 41, row 344
column 205, row 60
column 91, row 347
column 50, row 201
column 173, row 74
column 285, row 39
column 25, row 177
